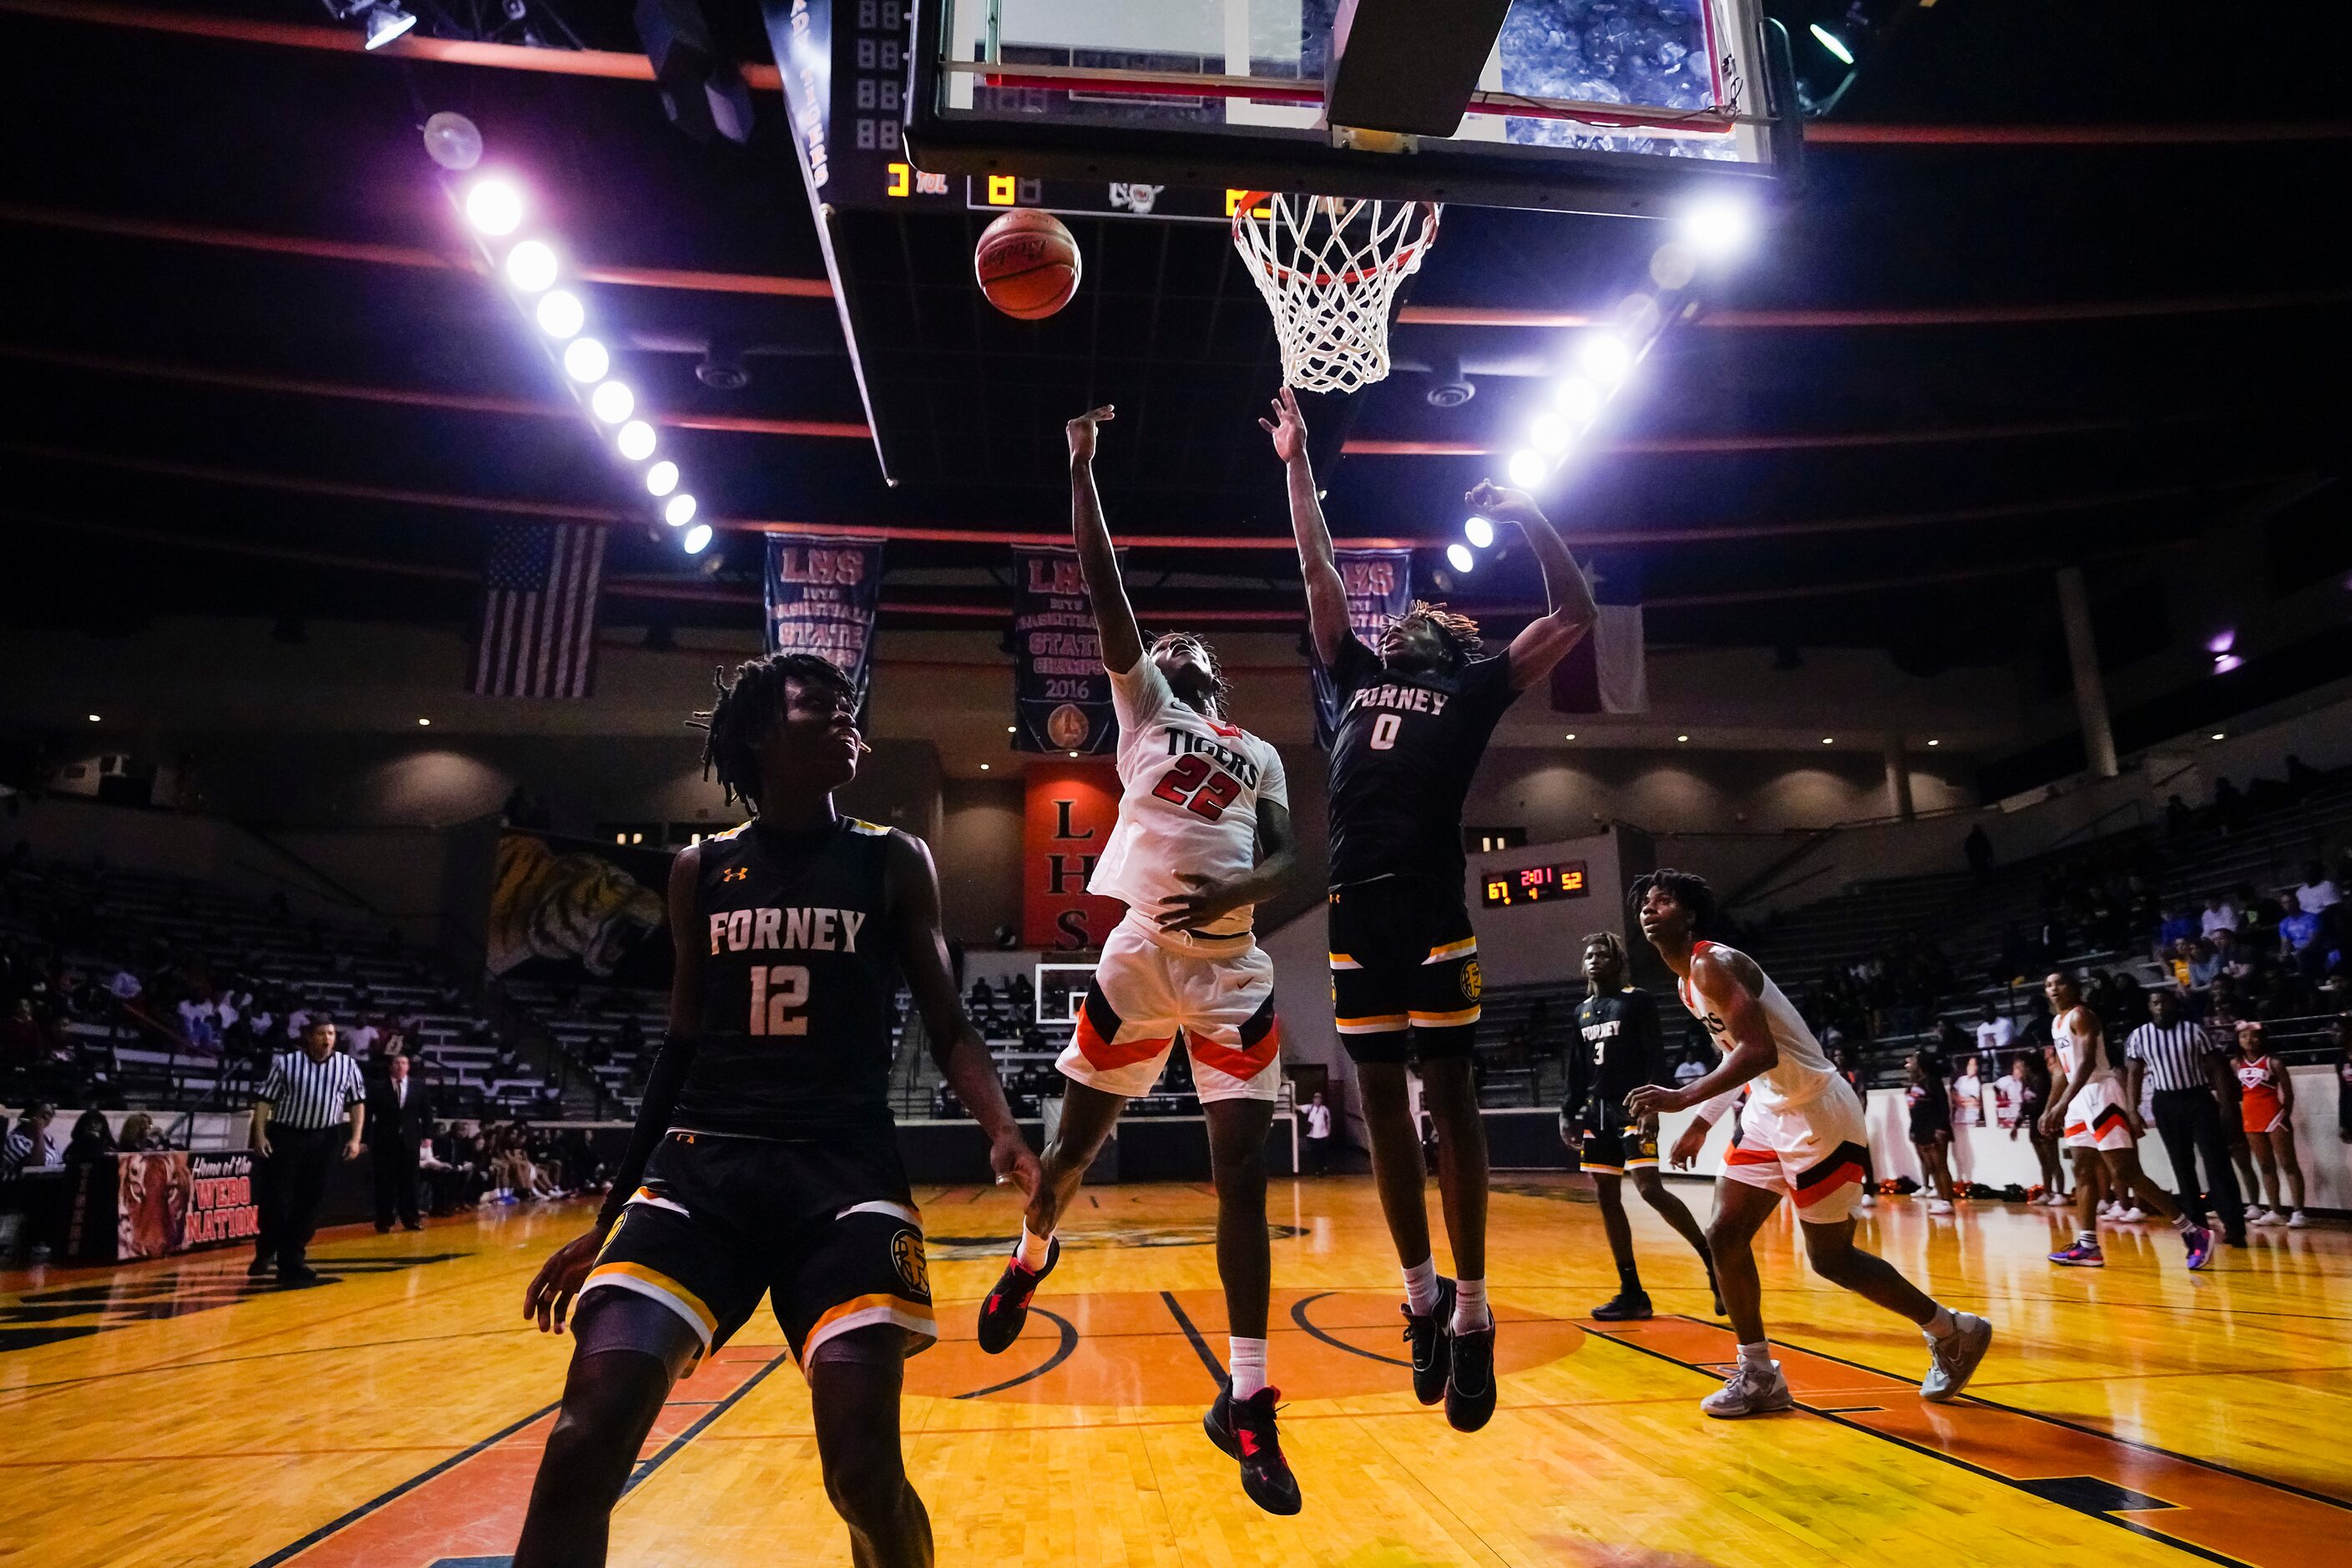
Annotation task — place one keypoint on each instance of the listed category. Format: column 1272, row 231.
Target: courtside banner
column 1061, row 693
column 823, row 594
column 1379, row 584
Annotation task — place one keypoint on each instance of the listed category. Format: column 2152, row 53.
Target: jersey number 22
column 1198, row 787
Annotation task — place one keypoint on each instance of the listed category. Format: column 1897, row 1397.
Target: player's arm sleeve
column 1139, row 695
column 669, row 1076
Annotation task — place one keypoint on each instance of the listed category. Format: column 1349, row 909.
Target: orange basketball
column 1027, row 264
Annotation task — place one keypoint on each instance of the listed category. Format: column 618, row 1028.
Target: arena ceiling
column 245, row 378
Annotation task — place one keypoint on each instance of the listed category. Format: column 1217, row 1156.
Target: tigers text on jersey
column 1188, row 808
column 1402, row 761
column 1623, row 1050
column 1802, row 1070
column 797, row 986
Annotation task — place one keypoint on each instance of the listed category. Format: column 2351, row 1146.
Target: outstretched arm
column 956, row 1046
column 1327, row 597
column 1732, row 989
column 1546, row 641
column 1122, row 643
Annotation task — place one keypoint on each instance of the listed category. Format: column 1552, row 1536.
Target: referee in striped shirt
column 2196, row 1104
column 312, row 1102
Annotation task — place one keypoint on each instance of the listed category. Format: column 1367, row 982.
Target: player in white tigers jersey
column 1203, row 833
column 1801, row 1136
column 2087, row 1103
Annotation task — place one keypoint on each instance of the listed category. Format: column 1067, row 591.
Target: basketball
column 1027, row 265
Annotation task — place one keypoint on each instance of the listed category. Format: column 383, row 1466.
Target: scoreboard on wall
column 1535, row 885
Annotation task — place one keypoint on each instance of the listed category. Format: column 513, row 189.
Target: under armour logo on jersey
column 736, row 874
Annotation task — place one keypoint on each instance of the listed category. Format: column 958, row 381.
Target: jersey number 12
column 778, row 993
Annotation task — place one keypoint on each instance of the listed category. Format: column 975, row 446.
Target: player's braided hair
column 1687, row 889
column 1202, row 654
column 1457, row 632
column 744, row 714
column 1610, row 942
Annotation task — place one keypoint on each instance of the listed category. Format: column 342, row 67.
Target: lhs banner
column 1071, row 808
column 823, row 594
column 1379, row 584
column 1061, row 693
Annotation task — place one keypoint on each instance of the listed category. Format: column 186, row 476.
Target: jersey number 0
column 778, row 992
column 1198, row 787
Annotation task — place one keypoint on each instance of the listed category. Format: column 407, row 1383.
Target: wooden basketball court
column 172, row 1414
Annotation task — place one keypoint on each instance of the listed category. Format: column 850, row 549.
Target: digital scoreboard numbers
column 1535, row 885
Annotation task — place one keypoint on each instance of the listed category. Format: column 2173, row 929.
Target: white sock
column 1758, row 1356
column 1421, row 1287
column 1470, row 1312
column 2086, row 1238
column 1032, row 1249
column 1942, row 1325
column 1245, row 1361
column 2186, row 1223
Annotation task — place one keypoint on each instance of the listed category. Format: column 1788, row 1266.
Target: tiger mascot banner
column 570, row 910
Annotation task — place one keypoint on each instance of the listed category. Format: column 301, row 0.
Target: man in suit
column 400, row 1117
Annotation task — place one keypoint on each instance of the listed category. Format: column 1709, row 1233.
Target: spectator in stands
column 2177, row 926
column 1968, row 1095
column 22, row 1041
column 1690, row 1070
column 1977, row 848
column 140, row 1134
column 2220, row 915
column 30, row 1146
column 2317, row 891
column 1994, row 1032
column 2205, row 964
column 92, row 1138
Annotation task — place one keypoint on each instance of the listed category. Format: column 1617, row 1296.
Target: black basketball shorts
column 1615, row 1149
column 1404, row 971
column 828, row 1233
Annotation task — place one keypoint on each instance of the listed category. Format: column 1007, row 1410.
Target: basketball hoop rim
column 1401, row 262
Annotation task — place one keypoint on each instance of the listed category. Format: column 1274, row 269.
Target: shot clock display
column 1535, row 885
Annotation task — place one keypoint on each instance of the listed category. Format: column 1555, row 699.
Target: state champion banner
column 823, row 596
column 1378, row 585
column 1061, row 693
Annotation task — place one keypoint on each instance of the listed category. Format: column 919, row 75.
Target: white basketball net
column 1329, row 268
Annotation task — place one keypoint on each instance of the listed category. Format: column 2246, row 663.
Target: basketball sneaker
column 1429, row 1338
column 1006, row 1311
column 2265, row 1216
column 1869, row 1199
column 1470, row 1380
column 2298, row 1220
column 2080, row 1254
column 1940, row 1207
column 2200, row 1242
column 1625, row 1307
column 2132, row 1215
column 1244, row 1428
column 1750, row 1391
column 1952, row 1360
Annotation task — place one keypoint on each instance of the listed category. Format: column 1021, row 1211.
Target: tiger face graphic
column 577, row 906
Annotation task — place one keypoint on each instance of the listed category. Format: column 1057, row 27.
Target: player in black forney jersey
column 1404, row 961
column 1619, row 1049
column 764, row 1161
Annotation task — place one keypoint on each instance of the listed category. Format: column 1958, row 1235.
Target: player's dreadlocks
column 1203, row 656
column 743, row 715
column 1610, row 942
column 1456, row 633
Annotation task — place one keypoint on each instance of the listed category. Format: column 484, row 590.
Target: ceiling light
column 1682, row 737
column 698, row 538
column 1527, row 469
column 2226, row 663
column 1605, row 357
column 983, row 767
column 1935, row 743
column 1011, row 729
column 560, row 314
column 1479, row 532
column 1832, row 42
column 94, row 719
column 2217, row 734
column 586, row 360
column 1829, row 739
column 1073, row 753
column 1719, row 226
column 530, row 265
column 1570, row 735
column 1552, row 432
column 662, row 477
column 381, row 20
column 425, row 723
column 1459, row 554
column 1579, row 399
column 613, row 402
column 636, row 440
column 679, row 511
column 494, row 206
column 2221, row 641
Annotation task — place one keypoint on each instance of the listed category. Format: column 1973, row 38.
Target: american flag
column 538, row 611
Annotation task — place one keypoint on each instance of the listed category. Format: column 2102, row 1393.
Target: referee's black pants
column 2189, row 1121
column 293, row 1180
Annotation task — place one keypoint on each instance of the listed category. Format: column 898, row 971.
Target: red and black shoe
column 1428, row 1335
column 1244, row 1428
column 1006, row 1311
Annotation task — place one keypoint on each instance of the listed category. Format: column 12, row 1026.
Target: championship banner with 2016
column 823, row 596
column 1061, row 693
column 1379, row 584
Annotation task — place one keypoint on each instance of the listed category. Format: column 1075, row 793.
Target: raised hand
column 1082, row 429
column 1496, row 504
column 1288, row 427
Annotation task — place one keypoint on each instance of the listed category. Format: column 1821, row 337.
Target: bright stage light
column 2225, row 663
column 680, row 510
column 1578, row 400
column 613, row 401
column 662, row 477
column 698, row 538
column 1463, row 561
column 530, row 265
column 2221, row 642
column 1832, row 43
column 1552, row 432
column 636, row 440
column 381, row 21
column 586, row 360
column 494, row 206
column 560, row 315
column 1528, row 469
column 1479, row 532
column 1604, row 357
column 1719, row 226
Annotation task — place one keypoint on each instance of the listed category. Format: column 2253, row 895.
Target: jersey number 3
column 1198, row 787
column 778, row 993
